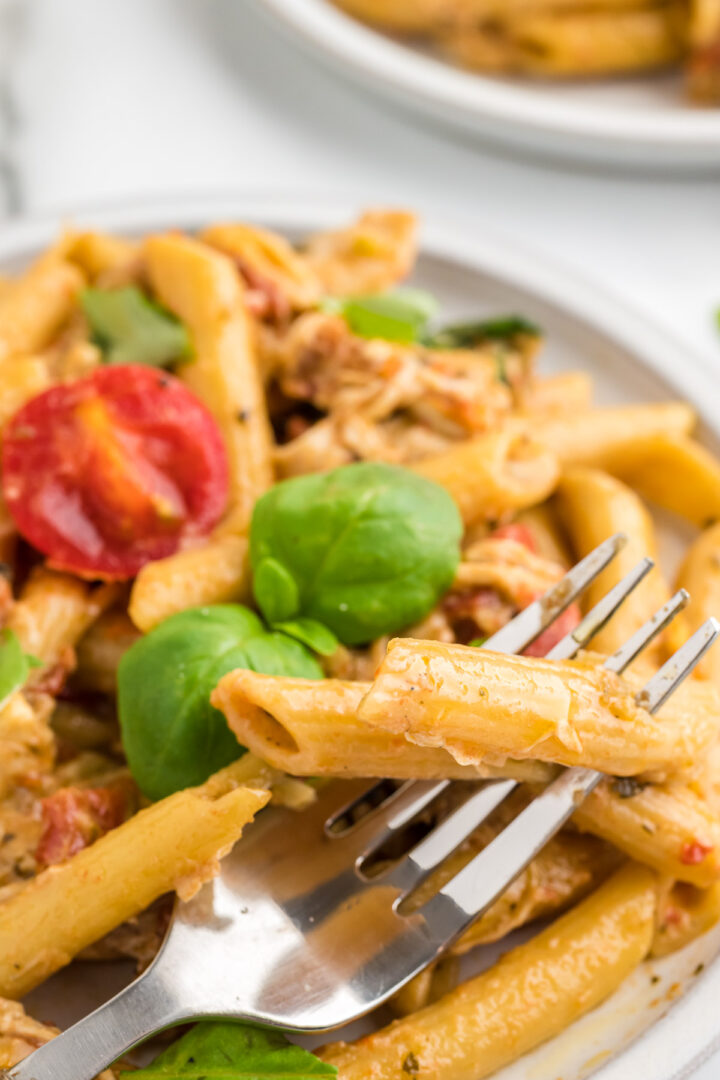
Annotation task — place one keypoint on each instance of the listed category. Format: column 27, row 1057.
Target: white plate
column 631, row 122
column 635, row 1033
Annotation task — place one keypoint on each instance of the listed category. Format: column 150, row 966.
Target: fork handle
column 88, row 1047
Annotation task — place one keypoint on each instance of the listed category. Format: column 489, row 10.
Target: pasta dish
column 260, row 506
column 563, row 39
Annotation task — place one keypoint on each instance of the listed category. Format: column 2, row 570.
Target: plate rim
column 489, row 253
column 485, row 104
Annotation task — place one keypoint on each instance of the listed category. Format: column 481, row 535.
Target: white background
column 106, row 99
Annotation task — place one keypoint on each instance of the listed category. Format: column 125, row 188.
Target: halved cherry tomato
column 517, row 531
column 109, row 472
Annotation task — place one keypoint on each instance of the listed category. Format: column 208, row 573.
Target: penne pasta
column 677, row 473
column 270, row 265
column 35, row 306
column 218, row 572
column 669, row 827
column 602, row 438
column 101, row 254
column 531, row 994
column 700, row 575
column 587, row 41
column 55, row 610
column 310, row 728
column 593, row 506
column 684, row 913
column 493, row 474
column 202, row 288
column 483, row 707
column 174, row 844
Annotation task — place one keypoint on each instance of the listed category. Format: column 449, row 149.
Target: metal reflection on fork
column 293, row 933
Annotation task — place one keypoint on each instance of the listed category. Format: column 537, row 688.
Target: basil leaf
column 277, row 586
column 371, row 547
column 14, row 665
column 312, row 633
column 173, row 737
column 130, row 329
column 478, row 642
column 466, row 335
column 230, row 1051
column 400, row 315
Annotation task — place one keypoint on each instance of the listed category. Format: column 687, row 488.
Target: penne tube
column 563, row 394
column 34, row 307
column 55, row 610
column 99, row 254
column 703, row 65
column 669, row 827
column 587, row 41
column 270, row 264
column 400, row 16
column 310, row 728
column 677, row 473
column 101, row 649
column 218, row 572
column 493, row 474
column 700, row 575
column 684, row 913
column 21, row 378
column 201, row 287
column 534, row 992
column 601, row 438
column 593, row 506
column 484, row 707
column 173, row 844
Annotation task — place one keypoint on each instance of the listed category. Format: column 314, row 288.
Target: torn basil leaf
column 131, row 329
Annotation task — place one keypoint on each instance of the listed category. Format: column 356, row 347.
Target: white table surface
column 106, row 99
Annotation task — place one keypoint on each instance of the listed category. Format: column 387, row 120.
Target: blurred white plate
column 636, row 1033
column 631, row 122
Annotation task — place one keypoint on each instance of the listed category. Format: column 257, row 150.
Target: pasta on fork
column 261, row 510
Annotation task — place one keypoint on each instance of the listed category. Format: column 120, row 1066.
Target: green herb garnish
column 469, row 334
column 229, row 1051
column 130, row 329
column 401, row 315
column 173, row 737
column 15, row 665
column 364, row 550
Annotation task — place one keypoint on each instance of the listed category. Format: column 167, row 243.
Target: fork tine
column 649, row 630
column 526, row 626
column 433, row 849
column 391, row 816
column 666, row 681
column 599, row 615
column 474, row 888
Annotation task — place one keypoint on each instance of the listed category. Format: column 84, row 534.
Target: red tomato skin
column 112, row 471
column 564, row 624
column 73, row 818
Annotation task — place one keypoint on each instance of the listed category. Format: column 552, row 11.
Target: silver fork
column 295, row 932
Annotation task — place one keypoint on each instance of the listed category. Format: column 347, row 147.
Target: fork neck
column 84, row 1050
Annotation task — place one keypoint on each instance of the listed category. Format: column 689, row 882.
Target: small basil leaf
column 233, row 1051
column 130, row 329
column 312, row 633
column 173, row 737
column 400, row 315
column 14, row 665
column 466, row 335
column 371, row 547
column 275, row 591
column 478, row 642
column 33, row 661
